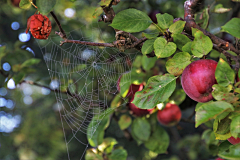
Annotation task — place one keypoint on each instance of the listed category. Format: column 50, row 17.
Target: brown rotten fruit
column 138, row 111
column 170, row 115
column 39, row 25
column 198, row 78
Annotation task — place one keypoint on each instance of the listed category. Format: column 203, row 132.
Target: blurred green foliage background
column 30, row 125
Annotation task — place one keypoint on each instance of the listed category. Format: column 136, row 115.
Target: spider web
column 85, row 81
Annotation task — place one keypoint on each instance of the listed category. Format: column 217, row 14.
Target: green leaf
column 233, row 153
column 18, row 77
column 178, row 96
column 178, row 63
column 147, row 46
column 141, row 128
column 116, row 102
column 224, row 146
column 95, row 130
column 104, row 2
column 124, row 121
column 221, row 93
column 177, row 27
column 25, row 4
column 150, row 35
column 220, row 9
column 180, row 40
column 148, row 63
column 225, row 58
column 2, row 54
column 209, row 110
column 214, row 54
column 224, row 74
column 137, row 62
column 45, row 6
column 187, row 47
column 118, row 154
column 205, row 18
column 232, row 27
column 164, row 20
column 30, row 62
column 125, row 83
column 163, row 48
column 91, row 155
column 201, row 45
column 158, row 89
column 107, row 145
column 131, row 20
column 98, row 11
column 209, row 137
column 235, row 126
column 221, row 126
column 158, row 141
column 138, row 141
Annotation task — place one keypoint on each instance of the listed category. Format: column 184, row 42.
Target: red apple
column 198, row 78
column 234, row 140
column 132, row 89
column 138, row 111
column 219, row 158
column 170, row 115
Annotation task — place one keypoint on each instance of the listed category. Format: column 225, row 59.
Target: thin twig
column 87, row 43
column 139, row 41
column 62, row 34
column 228, row 55
column 190, row 9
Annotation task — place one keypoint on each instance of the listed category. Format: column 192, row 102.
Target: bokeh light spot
column 3, row 91
column 45, row 91
column 10, row 104
column 69, row 12
column 3, row 102
column 54, row 84
column 11, row 84
column 15, row 25
column 9, row 122
column 28, row 100
column 6, row 66
column 23, row 37
column 30, row 50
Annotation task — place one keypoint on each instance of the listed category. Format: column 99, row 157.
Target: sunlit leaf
column 147, row 46
column 163, row 48
column 124, row 121
column 178, row 63
column 158, row 89
column 224, row 74
column 177, row 27
column 180, row 40
column 164, row 20
column 232, row 27
column 131, row 20
column 209, row 110
column 201, row 45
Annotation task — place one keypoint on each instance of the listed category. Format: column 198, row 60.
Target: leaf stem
column 159, row 28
